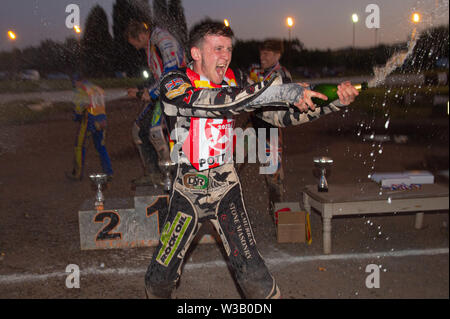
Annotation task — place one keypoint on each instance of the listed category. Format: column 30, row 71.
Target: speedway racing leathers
column 91, row 113
column 164, row 54
column 274, row 181
column 206, row 186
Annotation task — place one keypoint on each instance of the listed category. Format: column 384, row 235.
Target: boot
column 72, row 176
column 144, row 180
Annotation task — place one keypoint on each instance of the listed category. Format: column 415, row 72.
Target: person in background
column 164, row 54
column 90, row 111
column 270, row 53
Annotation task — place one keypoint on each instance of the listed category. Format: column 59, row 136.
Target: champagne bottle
column 330, row 90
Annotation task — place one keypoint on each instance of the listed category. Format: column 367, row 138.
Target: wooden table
column 369, row 198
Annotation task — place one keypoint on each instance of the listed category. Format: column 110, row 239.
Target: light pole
column 376, row 37
column 415, row 18
column 355, row 20
column 13, row 37
column 77, row 30
column 290, row 24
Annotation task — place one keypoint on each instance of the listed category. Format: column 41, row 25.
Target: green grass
column 61, row 85
column 18, row 112
column 375, row 102
column 378, row 102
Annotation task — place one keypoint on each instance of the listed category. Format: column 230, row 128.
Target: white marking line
column 273, row 261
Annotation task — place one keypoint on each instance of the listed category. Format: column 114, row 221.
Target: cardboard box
column 291, row 227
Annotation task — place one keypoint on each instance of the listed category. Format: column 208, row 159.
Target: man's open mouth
column 221, row 68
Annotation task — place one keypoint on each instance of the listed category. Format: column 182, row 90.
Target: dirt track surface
column 39, row 233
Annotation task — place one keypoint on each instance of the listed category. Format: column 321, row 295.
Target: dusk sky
column 318, row 23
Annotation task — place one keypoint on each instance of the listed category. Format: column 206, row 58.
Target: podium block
column 128, row 222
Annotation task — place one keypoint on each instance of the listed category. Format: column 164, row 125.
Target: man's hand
column 306, row 102
column 347, row 93
column 132, row 92
column 139, row 94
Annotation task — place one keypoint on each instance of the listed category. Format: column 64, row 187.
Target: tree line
column 98, row 53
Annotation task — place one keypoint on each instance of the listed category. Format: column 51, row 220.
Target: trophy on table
column 99, row 180
column 323, row 163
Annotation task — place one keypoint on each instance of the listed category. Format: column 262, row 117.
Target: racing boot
column 275, row 188
column 73, row 176
column 147, row 178
column 144, row 180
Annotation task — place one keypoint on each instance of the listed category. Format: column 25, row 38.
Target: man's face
column 268, row 58
column 212, row 57
column 140, row 42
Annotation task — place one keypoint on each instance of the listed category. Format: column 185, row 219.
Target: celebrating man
column 203, row 100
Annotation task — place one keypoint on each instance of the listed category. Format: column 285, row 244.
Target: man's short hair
column 135, row 28
column 208, row 27
column 273, row 45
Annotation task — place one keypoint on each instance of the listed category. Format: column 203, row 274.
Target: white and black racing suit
column 206, row 186
column 164, row 54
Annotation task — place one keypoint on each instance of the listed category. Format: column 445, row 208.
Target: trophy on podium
column 99, row 180
column 166, row 167
column 323, row 163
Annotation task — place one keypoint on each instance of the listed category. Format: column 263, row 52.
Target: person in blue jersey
column 164, row 54
column 90, row 111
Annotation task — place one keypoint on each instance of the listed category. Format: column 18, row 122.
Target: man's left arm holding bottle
column 296, row 116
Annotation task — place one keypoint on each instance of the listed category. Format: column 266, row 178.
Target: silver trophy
column 166, row 167
column 99, row 180
column 323, row 163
